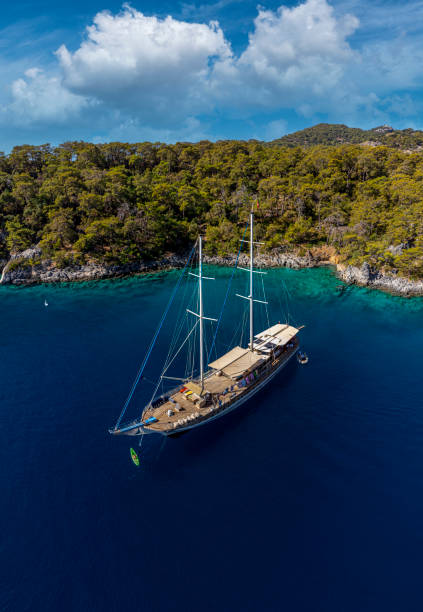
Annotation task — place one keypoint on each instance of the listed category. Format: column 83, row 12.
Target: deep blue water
column 309, row 499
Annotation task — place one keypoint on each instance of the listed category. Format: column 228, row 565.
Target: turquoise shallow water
column 309, row 499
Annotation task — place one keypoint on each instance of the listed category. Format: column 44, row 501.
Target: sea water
column 309, row 497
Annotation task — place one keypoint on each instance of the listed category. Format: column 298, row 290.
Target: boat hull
column 230, row 408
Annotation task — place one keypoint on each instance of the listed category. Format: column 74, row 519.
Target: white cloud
column 144, row 64
column 293, row 54
column 141, row 75
column 42, row 98
column 164, row 68
column 284, row 42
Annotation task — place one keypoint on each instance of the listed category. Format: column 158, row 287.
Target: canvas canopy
column 278, row 335
column 241, row 360
column 228, row 358
column 238, row 361
column 244, row 363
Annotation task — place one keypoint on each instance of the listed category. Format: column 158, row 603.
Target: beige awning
column 228, row 358
column 278, row 334
column 245, row 363
column 241, row 360
column 237, row 361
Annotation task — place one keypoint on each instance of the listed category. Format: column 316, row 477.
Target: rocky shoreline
column 27, row 268
column 374, row 279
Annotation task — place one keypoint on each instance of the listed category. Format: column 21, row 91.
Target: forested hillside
column 124, row 202
column 335, row 134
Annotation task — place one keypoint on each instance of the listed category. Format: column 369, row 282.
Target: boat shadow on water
column 199, row 440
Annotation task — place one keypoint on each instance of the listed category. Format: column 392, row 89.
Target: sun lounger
column 150, row 420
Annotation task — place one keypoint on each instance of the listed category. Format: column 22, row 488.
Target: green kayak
column 134, row 457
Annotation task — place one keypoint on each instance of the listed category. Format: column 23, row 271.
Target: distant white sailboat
column 45, row 303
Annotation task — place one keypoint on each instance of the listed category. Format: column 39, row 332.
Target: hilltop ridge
column 335, row 134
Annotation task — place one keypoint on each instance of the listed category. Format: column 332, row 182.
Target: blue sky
column 102, row 70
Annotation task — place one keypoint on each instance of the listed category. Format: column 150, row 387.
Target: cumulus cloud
column 145, row 64
column 39, row 97
column 298, row 49
column 141, row 74
column 165, row 69
column 293, row 54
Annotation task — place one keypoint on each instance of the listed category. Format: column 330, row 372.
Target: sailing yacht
column 228, row 382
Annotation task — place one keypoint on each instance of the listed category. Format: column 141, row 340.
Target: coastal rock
column 8, row 268
column 271, row 260
column 31, row 253
column 354, row 275
column 27, row 267
column 391, row 283
column 46, row 272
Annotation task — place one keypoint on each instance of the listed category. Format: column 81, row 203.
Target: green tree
column 18, row 236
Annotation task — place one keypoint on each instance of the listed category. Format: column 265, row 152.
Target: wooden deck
column 222, row 391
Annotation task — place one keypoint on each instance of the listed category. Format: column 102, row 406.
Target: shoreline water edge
column 27, row 268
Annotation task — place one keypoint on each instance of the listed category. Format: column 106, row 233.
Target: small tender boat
column 302, row 357
column 134, row 457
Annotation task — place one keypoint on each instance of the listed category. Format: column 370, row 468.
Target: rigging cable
column 265, row 301
column 244, row 324
column 174, row 357
column 176, row 335
column 227, row 293
column 153, row 342
column 178, row 351
column 170, row 358
column 178, row 329
column 288, row 300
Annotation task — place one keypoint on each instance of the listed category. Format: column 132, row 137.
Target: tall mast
column 200, row 299
column 251, row 282
column 200, row 313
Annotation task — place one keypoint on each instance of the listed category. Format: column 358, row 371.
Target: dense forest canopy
column 120, row 202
